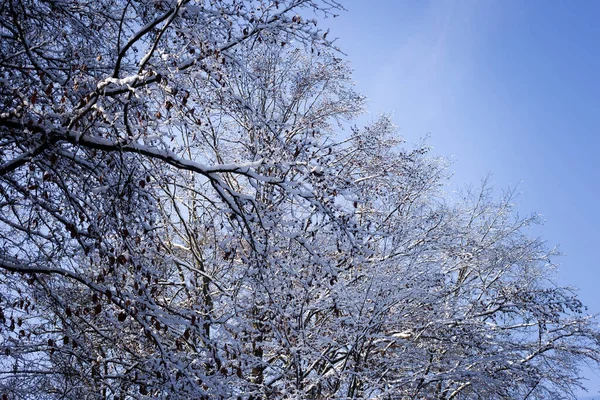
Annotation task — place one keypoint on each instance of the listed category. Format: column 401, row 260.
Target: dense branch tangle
column 90, row 91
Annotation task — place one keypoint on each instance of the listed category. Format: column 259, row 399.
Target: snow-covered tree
column 187, row 212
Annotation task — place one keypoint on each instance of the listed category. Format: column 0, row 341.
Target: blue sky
column 508, row 87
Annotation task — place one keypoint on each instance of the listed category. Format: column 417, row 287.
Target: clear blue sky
column 508, row 87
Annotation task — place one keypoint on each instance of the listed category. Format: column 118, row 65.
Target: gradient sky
column 507, row 87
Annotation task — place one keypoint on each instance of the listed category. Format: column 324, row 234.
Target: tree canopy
column 188, row 211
